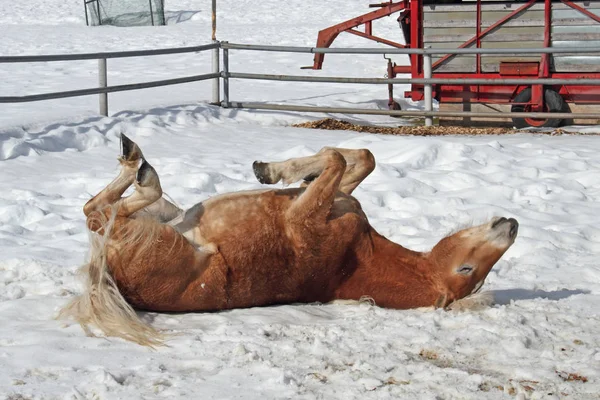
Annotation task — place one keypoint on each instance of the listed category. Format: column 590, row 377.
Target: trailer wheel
column 553, row 102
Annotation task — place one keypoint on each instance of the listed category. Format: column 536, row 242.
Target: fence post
column 103, row 82
column 216, row 90
column 87, row 19
column 225, row 102
column 427, row 89
column 151, row 12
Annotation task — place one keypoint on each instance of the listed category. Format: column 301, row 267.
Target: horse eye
column 465, row 269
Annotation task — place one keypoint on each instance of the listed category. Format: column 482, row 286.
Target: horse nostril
column 498, row 222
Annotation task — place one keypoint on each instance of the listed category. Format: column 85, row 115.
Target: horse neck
column 391, row 258
column 393, row 275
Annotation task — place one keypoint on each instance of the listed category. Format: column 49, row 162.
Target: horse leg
column 359, row 164
column 147, row 191
column 129, row 160
column 131, row 155
column 162, row 210
column 325, row 171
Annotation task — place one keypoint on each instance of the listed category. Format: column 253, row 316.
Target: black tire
column 553, row 102
column 395, row 106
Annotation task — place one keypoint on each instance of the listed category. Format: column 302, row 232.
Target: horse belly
column 262, row 259
column 261, row 265
column 276, row 264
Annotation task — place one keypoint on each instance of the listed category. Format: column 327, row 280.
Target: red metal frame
column 412, row 15
column 478, row 32
column 327, row 36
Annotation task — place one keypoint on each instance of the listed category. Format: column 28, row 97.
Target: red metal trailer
column 491, row 24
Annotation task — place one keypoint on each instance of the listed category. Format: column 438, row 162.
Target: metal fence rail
column 103, row 88
column 405, row 113
column 106, row 55
column 395, row 50
column 427, row 81
column 107, row 89
column 418, row 81
column 226, row 75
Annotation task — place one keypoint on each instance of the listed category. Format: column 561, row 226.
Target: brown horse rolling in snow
column 263, row 247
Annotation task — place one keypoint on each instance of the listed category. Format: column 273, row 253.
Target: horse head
column 463, row 260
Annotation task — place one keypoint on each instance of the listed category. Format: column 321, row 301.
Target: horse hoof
column 310, row 178
column 130, row 151
column 262, row 173
column 146, row 174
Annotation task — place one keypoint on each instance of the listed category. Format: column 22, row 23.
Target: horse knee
column 367, row 160
column 96, row 220
column 88, row 208
column 333, row 158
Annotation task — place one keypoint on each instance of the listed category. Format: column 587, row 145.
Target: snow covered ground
column 34, row 27
column 540, row 340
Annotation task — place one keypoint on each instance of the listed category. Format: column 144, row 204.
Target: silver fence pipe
column 393, row 50
column 216, row 90
column 409, row 113
column 109, row 89
column 416, row 81
column 107, row 55
column 428, row 89
column 103, row 83
column 225, row 75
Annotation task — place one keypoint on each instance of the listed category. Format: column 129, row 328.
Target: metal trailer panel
column 514, row 26
column 525, row 30
column 458, row 22
column 572, row 28
column 453, row 21
column 450, row 25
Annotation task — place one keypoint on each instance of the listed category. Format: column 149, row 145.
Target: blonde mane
column 101, row 304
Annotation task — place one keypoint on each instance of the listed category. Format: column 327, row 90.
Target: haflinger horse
column 308, row 244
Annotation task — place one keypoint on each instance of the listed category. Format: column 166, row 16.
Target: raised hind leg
column 359, row 164
column 325, row 170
